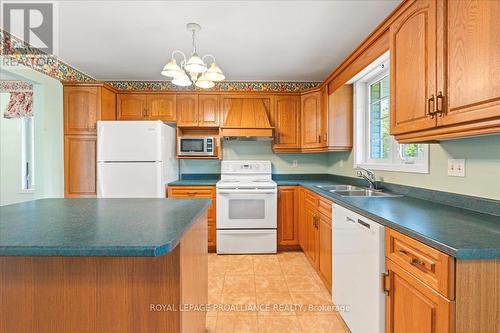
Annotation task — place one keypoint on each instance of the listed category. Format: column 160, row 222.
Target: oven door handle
column 247, row 191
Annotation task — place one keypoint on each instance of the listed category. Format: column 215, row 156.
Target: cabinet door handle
column 386, row 283
column 439, row 104
column 191, row 193
column 319, row 138
column 431, row 111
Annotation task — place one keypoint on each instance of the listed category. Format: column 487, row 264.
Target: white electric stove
column 246, row 208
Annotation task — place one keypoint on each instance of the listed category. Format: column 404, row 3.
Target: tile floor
column 268, row 293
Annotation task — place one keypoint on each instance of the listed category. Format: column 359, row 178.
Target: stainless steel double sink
column 354, row 191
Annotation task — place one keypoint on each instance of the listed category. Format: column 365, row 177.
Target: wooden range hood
column 246, row 117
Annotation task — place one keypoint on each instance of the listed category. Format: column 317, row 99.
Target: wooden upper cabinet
column 187, row 110
column 287, row 123
column 472, row 55
column 413, row 307
column 85, row 105
column 209, row 110
column 161, row 107
column 287, row 216
column 132, row 106
column 82, row 108
column 340, row 120
column 311, row 120
column 413, row 68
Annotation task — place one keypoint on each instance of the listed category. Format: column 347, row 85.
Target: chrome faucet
column 369, row 176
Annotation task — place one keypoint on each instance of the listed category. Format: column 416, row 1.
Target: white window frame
column 25, row 159
column 361, row 82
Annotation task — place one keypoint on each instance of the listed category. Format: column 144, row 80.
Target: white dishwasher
column 358, row 264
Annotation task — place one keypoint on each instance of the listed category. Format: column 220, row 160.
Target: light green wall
column 482, row 165
column 49, row 156
column 259, row 150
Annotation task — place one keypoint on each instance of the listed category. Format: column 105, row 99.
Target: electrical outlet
column 295, row 163
column 456, row 167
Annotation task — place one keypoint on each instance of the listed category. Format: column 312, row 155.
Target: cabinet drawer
column 195, row 192
column 311, row 198
column 325, row 208
column 431, row 266
column 191, row 191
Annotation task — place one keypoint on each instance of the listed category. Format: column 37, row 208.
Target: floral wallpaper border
column 16, row 51
column 219, row 86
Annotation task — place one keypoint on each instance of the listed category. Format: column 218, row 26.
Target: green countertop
column 462, row 233
column 96, row 227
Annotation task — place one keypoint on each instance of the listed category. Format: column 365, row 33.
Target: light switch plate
column 456, row 167
column 295, row 163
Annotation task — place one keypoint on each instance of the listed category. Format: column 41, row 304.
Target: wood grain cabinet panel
column 199, row 192
column 413, row 68
column 287, row 216
column 472, row 56
column 338, row 131
column 80, row 166
column 82, row 108
column 187, row 110
column 161, row 107
column 311, row 120
column 414, row 307
column 209, row 110
column 287, row 123
column 132, row 106
column 325, row 250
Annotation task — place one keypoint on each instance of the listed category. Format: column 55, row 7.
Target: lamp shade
column 182, row 81
column 204, row 83
column 214, row 73
column 172, row 69
column 195, row 64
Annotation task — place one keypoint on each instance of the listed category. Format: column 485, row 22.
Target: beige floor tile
column 313, row 303
column 237, row 323
column 242, row 302
column 211, row 322
column 266, row 265
column 277, row 303
column 297, row 268
column 215, row 283
column 270, row 283
column 238, row 283
column 279, row 324
column 302, row 283
column 238, row 264
column 320, row 324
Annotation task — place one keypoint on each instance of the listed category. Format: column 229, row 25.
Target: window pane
column 379, row 119
column 411, row 151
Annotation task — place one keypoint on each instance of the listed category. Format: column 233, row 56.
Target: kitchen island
column 103, row 265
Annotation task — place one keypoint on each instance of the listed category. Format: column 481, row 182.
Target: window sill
column 410, row 168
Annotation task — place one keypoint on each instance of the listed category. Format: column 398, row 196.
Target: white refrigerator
column 135, row 159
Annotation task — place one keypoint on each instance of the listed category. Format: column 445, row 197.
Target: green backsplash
column 482, row 156
column 259, row 150
column 482, row 165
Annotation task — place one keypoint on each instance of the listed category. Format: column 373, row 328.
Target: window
column 375, row 148
column 28, row 154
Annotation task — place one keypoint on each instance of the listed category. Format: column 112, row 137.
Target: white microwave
column 195, row 146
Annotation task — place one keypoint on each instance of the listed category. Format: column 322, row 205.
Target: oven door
column 246, row 208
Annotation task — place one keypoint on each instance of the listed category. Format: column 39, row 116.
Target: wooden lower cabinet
column 288, row 233
column 199, row 192
column 414, row 307
column 315, row 232
column 325, row 250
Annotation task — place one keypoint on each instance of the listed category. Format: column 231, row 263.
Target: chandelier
column 195, row 69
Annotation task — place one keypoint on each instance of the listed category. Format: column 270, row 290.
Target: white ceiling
column 252, row 40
